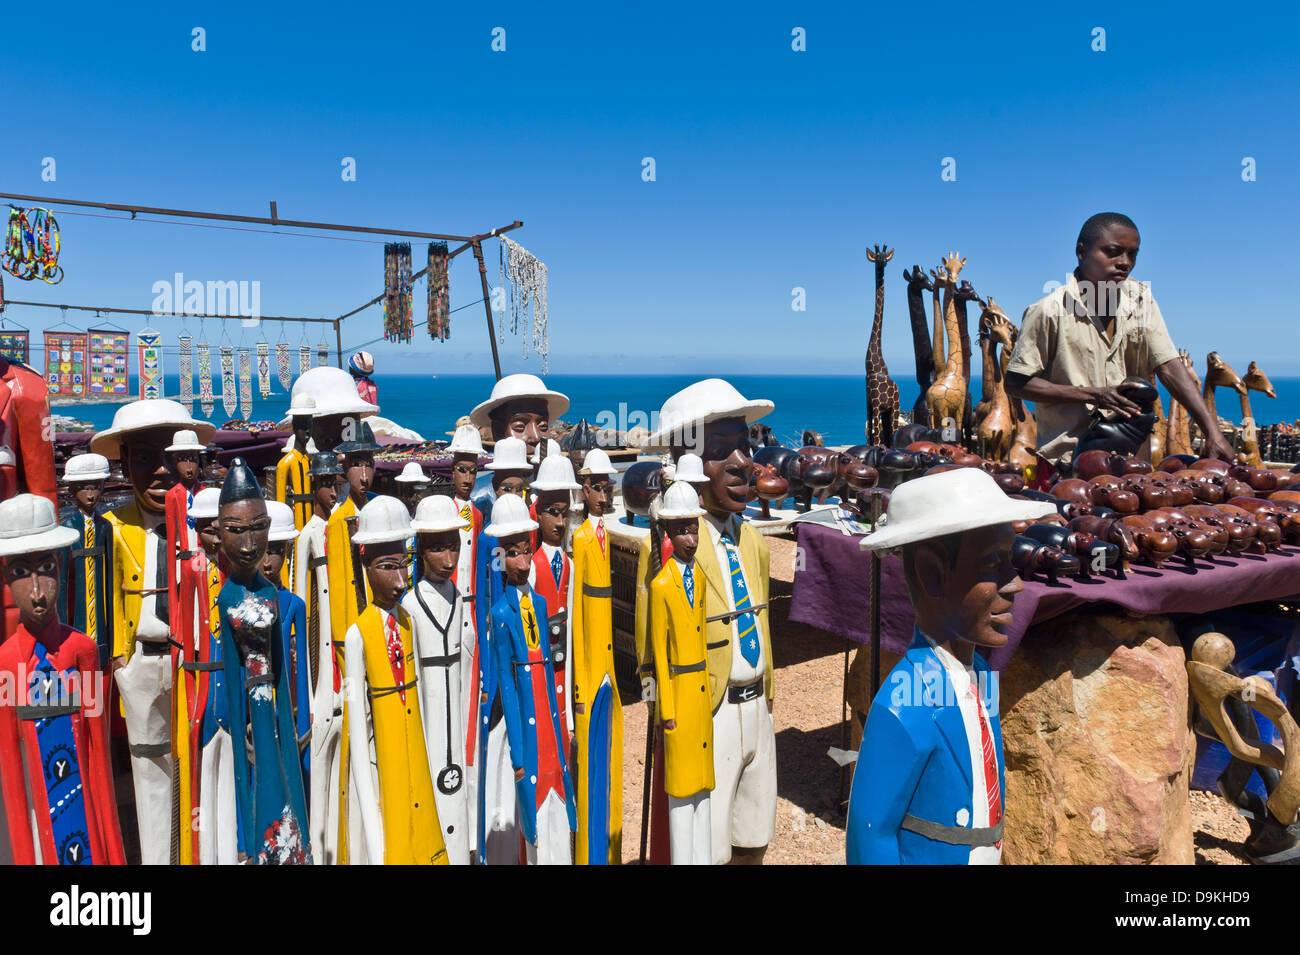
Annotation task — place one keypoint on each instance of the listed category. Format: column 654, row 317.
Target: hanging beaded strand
column 245, row 385
column 264, row 370
column 205, row 379
column 282, row 370
column 439, row 293
column 229, row 400
column 398, row 323
column 185, row 368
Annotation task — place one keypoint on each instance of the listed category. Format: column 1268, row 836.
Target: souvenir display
column 439, row 304
column 282, row 369
column 106, row 351
column 206, row 403
column 245, row 384
column 185, row 369
column 882, row 392
column 528, row 287
column 66, row 363
column 14, row 345
column 263, row 370
column 398, row 325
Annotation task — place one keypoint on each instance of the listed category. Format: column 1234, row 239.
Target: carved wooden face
column 385, row 566
column 685, row 536
column 33, row 580
column 301, row 431
column 209, row 536
column 359, row 472
column 464, row 471
column 439, row 554
column 510, row 482
column 966, row 596
column 145, row 465
column 326, row 489
column 185, row 464
column 86, row 494
column 517, row 558
column 552, row 515
column 528, row 419
column 327, row 430
column 725, row 452
column 244, row 529
column 597, row 494
column 273, row 560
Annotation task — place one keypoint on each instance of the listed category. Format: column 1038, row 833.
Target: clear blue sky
column 774, row 168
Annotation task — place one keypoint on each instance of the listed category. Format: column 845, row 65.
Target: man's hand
column 519, row 774
column 118, row 663
column 1112, row 399
column 670, row 724
column 1217, row 446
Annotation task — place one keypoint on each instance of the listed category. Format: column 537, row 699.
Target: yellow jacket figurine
column 599, row 766
column 677, row 620
column 400, row 820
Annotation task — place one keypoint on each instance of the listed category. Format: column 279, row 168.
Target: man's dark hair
column 1092, row 229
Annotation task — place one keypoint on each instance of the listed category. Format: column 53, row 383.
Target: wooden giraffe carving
column 882, row 391
column 994, row 422
column 1248, row 449
column 1024, row 442
column 918, row 282
column 962, row 294
column 1178, row 436
column 1218, row 374
column 947, row 396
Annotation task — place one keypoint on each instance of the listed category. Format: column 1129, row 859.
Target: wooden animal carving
column 1178, row 435
column 918, row 282
column 962, row 294
column 1218, row 374
column 947, row 396
column 994, row 421
column 1024, row 442
column 1248, row 436
column 882, row 391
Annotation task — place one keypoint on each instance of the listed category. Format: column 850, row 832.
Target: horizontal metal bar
column 143, row 311
column 260, row 220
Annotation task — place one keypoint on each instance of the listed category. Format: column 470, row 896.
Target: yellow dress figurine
column 399, row 822
column 292, row 478
column 597, row 712
column 677, row 622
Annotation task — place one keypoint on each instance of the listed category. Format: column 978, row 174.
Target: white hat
column 29, row 525
column 680, row 501
column 281, row 515
column 466, row 440
column 333, row 391
column 552, row 448
column 145, row 414
column 690, row 468
column 700, row 403
column 206, row 503
column 185, row 441
column 412, row 474
column 555, row 474
column 85, row 467
column 948, row 503
column 510, row 454
column 510, row 516
column 437, row 513
column 519, row 386
column 596, row 462
column 383, row 520
column 303, row 404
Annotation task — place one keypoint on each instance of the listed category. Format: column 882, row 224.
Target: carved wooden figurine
column 1248, row 435
column 1219, row 374
column 918, row 282
column 882, row 391
column 994, row 424
column 947, row 396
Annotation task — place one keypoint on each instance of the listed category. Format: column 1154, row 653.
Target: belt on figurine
column 716, row 644
column 444, row 661
column 262, row 679
column 33, row 713
column 144, row 591
column 154, row 649
column 300, row 499
column 187, row 554
column 149, row 750
column 95, row 551
column 389, row 690
column 203, row 666
column 315, row 562
column 675, row 669
column 647, row 667
column 557, row 652
column 953, row 835
column 743, row 694
column 731, row 615
column 589, row 591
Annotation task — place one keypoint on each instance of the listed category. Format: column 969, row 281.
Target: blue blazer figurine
column 929, row 788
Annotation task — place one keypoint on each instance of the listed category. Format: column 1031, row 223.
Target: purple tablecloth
column 832, row 590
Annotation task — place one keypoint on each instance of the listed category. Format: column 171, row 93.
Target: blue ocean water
column 834, row 405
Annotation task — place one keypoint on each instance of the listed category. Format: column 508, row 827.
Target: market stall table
column 1093, row 693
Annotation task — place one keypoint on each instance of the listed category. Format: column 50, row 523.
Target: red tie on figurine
column 600, row 534
column 395, row 658
column 990, row 765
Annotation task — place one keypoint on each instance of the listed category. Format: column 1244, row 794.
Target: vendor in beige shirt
column 1080, row 341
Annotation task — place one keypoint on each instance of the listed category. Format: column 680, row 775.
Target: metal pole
column 144, row 311
column 258, row 220
column 338, row 339
column 487, row 306
column 877, row 507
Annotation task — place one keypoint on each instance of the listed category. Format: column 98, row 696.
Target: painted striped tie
column 746, row 624
column 92, row 605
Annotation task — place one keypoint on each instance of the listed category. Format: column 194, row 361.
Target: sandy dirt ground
column 810, row 808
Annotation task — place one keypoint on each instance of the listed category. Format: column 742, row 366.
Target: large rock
column 1098, row 743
